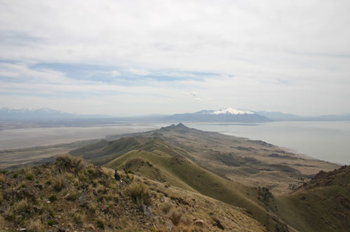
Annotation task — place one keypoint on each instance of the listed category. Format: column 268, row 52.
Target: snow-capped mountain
column 223, row 115
column 232, row 111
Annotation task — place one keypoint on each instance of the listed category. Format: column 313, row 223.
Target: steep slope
column 72, row 195
column 324, row 202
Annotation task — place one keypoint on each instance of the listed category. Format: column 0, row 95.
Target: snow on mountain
column 224, row 115
column 232, row 111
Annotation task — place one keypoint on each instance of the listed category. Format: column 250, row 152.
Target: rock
column 199, row 222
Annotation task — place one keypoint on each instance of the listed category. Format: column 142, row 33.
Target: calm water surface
column 322, row 140
column 328, row 141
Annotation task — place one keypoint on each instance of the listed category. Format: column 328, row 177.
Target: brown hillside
column 72, row 195
column 322, row 204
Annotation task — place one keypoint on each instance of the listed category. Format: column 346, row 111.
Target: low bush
column 60, row 182
column 139, row 193
column 35, row 226
column 175, row 216
column 166, row 207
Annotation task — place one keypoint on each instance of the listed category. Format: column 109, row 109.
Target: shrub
column 22, row 206
column 139, row 193
column 28, row 173
column 51, row 222
column 70, row 163
column 175, row 216
column 78, row 218
column 60, row 183
column 100, row 223
column 53, row 198
column 35, row 226
column 82, row 176
column 92, row 206
column 72, row 196
column 166, row 208
column 106, row 172
column 19, row 211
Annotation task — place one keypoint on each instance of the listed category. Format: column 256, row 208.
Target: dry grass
column 107, row 171
column 79, row 218
column 166, row 207
column 60, row 182
column 21, row 207
column 175, row 216
column 29, row 173
column 36, row 226
column 2, row 222
column 66, row 202
column 139, row 193
column 2, row 178
column 71, row 163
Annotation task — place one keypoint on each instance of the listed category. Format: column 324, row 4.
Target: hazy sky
column 143, row 57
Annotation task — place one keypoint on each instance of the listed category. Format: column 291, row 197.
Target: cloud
column 139, row 72
column 115, row 73
column 244, row 54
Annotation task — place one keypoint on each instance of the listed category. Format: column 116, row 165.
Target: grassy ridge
column 237, row 171
column 181, row 172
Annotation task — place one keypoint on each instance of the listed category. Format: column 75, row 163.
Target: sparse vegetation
column 61, row 198
column 166, row 207
column 175, row 216
column 29, row 174
column 139, row 193
column 36, row 226
column 59, row 182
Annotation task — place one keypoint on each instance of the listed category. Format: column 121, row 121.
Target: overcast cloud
column 145, row 57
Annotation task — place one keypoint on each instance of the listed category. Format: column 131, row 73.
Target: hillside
column 253, row 175
column 223, row 182
column 324, row 201
column 73, row 195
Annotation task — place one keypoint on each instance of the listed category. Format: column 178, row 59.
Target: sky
column 137, row 57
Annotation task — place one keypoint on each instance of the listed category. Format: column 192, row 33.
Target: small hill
column 73, row 195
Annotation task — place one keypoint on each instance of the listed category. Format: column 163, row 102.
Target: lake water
column 328, row 141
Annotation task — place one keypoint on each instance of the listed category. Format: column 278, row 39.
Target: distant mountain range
column 278, row 116
column 40, row 114
column 222, row 115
